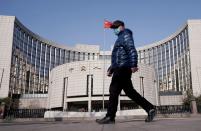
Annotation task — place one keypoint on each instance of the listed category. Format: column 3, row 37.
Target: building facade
column 176, row 60
column 27, row 59
column 84, row 85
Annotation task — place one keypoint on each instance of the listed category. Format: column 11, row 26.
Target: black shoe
column 151, row 115
column 105, row 120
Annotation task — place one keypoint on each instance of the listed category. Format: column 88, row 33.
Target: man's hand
column 109, row 71
column 109, row 74
column 134, row 69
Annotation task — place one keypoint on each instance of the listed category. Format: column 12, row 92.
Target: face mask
column 116, row 31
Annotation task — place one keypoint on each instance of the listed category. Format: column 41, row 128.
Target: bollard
column 194, row 107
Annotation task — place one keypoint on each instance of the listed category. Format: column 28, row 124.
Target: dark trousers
column 121, row 79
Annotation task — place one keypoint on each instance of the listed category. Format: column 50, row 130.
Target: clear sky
column 81, row 21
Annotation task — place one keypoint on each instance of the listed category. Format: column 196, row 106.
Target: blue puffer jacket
column 124, row 53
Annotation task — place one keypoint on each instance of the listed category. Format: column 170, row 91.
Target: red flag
column 107, row 24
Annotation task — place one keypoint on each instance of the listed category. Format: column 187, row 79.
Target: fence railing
column 39, row 113
column 173, row 109
column 25, row 113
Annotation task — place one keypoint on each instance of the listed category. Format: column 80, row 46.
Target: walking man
column 124, row 63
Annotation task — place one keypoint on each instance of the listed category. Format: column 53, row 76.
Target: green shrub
column 188, row 97
column 7, row 101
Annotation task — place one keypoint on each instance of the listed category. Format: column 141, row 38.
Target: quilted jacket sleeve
column 130, row 49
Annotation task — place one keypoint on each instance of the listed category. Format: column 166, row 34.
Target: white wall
column 33, row 103
column 172, row 100
column 6, row 40
column 77, row 82
column 194, row 31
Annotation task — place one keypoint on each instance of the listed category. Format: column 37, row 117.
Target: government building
column 43, row 74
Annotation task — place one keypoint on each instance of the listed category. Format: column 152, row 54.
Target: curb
column 22, row 121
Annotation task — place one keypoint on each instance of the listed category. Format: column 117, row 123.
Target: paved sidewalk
column 160, row 124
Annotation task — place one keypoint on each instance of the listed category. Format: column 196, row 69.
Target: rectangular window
column 76, row 56
column 88, row 56
column 182, row 42
column 81, row 56
column 72, row 53
column 43, row 55
column 48, row 57
column 146, row 56
column 29, row 50
column 52, row 57
column 93, row 56
column 150, row 57
column 142, row 56
column 27, row 82
column 178, row 46
column 62, row 56
column 175, row 50
column 38, row 57
column 185, row 39
column 57, row 56
column 67, row 56
column 84, row 56
column 33, row 53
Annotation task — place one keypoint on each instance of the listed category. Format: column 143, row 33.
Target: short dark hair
column 116, row 24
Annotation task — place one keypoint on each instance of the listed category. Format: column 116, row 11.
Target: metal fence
column 39, row 113
column 173, row 109
column 25, row 113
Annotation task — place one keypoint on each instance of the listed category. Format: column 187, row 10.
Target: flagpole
column 107, row 24
column 104, row 67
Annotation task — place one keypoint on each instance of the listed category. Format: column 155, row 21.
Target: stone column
column 119, row 104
